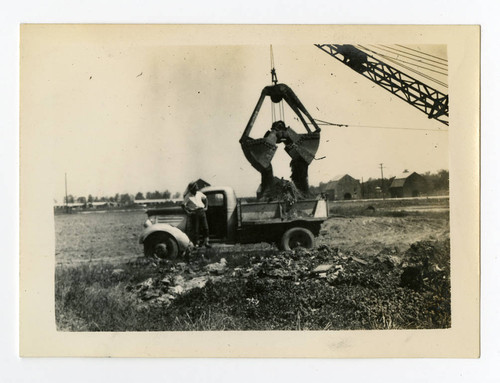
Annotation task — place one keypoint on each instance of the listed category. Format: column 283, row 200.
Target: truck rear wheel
column 297, row 237
column 161, row 245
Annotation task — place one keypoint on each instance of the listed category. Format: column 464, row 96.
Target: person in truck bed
column 195, row 204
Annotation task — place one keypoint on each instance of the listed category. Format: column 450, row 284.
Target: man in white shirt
column 196, row 204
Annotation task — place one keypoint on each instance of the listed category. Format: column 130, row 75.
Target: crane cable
column 405, row 67
column 322, row 122
column 411, row 55
column 410, row 63
column 274, row 79
column 389, row 49
column 423, row 53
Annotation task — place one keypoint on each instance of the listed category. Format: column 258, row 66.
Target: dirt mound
column 426, row 265
column 283, row 190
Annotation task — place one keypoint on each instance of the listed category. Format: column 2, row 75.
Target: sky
column 126, row 117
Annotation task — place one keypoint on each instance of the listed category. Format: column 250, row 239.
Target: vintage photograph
column 224, row 188
column 271, row 186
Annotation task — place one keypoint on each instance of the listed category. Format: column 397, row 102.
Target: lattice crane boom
column 423, row 97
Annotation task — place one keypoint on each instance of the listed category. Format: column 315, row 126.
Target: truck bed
column 277, row 211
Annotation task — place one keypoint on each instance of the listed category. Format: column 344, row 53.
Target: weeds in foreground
column 97, row 298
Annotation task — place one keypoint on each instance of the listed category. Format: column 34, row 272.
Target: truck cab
column 221, row 213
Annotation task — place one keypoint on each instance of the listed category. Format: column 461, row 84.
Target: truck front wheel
column 297, row 237
column 161, row 245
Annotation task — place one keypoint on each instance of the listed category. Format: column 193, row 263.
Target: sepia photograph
column 224, row 184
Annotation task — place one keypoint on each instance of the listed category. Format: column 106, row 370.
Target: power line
column 389, row 50
column 423, row 53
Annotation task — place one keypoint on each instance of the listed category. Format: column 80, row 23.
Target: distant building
column 98, row 204
column 408, row 185
column 343, row 187
column 150, row 202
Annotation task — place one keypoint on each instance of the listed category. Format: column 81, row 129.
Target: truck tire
column 161, row 245
column 297, row 237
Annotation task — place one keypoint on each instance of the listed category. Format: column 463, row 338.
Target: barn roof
column 400, row 179
column 398, row 182
column 332, row 183
column 340, row 176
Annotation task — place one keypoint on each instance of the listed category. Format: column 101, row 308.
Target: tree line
column 122, row 199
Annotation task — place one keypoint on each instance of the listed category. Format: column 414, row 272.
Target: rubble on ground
column 425, row 266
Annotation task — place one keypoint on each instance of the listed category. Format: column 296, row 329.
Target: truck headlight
column 148, row 223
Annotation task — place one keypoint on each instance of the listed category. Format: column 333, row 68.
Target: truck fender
column 181, row 237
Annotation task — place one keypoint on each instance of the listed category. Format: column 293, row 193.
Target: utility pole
column 66, row 190
column 382, row 173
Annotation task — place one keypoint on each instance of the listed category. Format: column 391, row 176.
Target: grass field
column 102, row 283
column 103, row 236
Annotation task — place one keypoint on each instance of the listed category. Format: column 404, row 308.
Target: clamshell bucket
column 302, row 146
column 260, row 152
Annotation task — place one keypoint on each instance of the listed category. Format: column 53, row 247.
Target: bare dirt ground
column 113, row 236
column 369, row 235
column 110, row 236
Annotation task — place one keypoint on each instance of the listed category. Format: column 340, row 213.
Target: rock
column 388, row 262
column 165, row 298
column 145, row 285
column 322, row 268
column 359, row 260
column 217, row 268
column 322, row 275
column 150, row 294
column 436, row 269
column 178, row 280
column 197, row 282
column 334, row 277
column 176, row 290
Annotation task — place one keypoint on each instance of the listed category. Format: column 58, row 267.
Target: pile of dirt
column 426, row 265
column 282, row 190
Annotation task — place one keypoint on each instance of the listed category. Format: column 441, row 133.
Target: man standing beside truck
column 195, row 204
